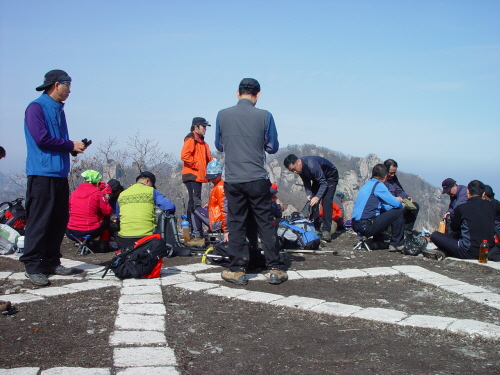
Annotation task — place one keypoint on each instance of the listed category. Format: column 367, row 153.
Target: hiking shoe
column 196, row 242
column 237, row 278
column 39, row 279
column 326, row 236
column 394, row 249
column 61, row 270
column 277, row 276
column 434, row 254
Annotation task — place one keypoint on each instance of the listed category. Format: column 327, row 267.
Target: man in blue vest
column 47, row 168
column 376, row 209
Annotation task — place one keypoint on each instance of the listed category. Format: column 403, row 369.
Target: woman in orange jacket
column 195, row 154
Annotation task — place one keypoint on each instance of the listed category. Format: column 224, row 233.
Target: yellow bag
column 442, row 227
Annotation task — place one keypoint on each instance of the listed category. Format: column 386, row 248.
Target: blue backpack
column 297, row 232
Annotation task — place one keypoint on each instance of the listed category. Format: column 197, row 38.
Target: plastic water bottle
column 20, row 244
column 484, row 248
column 186, row 231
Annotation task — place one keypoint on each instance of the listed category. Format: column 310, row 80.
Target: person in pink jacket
column 89, row 210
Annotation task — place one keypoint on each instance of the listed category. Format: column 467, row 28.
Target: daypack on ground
column 218, row 255
column 8, row 239
column 140, row 260
column 167, row 228
column 297, row 232
column 414, row 243
column 13, row 214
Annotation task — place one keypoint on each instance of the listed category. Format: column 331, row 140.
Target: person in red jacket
column 195, row 154
column 89, row 210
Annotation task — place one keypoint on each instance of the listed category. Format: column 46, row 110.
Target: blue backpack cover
column 297, row 232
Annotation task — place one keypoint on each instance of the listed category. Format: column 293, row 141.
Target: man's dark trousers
column 327, row 205
column 254, row 196
column 47, row 211
column 449, row 245
column 377, row 225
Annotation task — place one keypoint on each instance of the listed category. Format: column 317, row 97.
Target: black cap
column 249, row 84
column 52, row 77
column 200, row 121
column 115, row 185
column 447, row 185
column 148, row 175
column 489, row 191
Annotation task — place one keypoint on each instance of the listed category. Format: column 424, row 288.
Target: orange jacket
column 217, row 208
column 195, row 154
column 337, row 214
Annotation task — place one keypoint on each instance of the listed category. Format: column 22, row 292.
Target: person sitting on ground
column 320, row 178
column 457, row 193
column 337, row 212
column 136, row 210
column 89, row 211
column 489, row 195
column 472, row 222
column 411, row 208
column 213, row 216
column 376, row 209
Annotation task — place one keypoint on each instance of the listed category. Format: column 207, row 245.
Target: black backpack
column 218, row 255
column 13, row 214
column 141, row 259
column 414, row 243
column 166, row 227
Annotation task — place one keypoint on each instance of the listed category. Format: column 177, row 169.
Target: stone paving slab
column 259, row 297
column 212, row 276
column 475, row 328
column 76, row 371
column 315, row 274
column 137, row 338
column 297, row 302
column 381, row 271
column 17, row 276
column 140, row 322
column 139, row 282
column 172, row 279
column 166, row 370
column 337, row 309
column 256, row 277
column 427, row 321
column 224, row 291
column 410, row 269
column 346, row 274
column 19, row 298
column 463, row 289
column 294, row 275
column 91, row 284
column 143, row 308
column 196, row 285
column 195, row 267
column 144, row 357
column 141, row 289
column 20, row 371
column 52, row 291
column 380, row 315
column 137, row 298
column 442, row 281
column 4, row 275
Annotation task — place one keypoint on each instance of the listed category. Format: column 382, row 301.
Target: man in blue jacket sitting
column 376, row 209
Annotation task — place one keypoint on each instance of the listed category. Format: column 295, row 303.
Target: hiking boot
column 434, row 254
column 61, row 270
column 39, row 279
column 196, row 242
column 277, row 276
column 238, row 278
column 326, row 236
column 394, row 249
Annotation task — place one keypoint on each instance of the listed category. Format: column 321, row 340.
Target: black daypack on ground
column 297, row 232
column 140, row 260
column 13, row 214
column 166, row 227
column 414, row 243
column 219, row 256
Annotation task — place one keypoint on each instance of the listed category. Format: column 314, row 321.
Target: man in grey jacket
column 245, row 133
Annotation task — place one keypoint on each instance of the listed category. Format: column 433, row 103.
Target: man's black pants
column 194, row 199
column 242, row 199
column 47, row 211
column 327, row 205
column 376, row 225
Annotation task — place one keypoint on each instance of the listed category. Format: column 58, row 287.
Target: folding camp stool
column 83, row 246
column 361, row 243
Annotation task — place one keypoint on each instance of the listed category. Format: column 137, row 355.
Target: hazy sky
column 416, row 81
